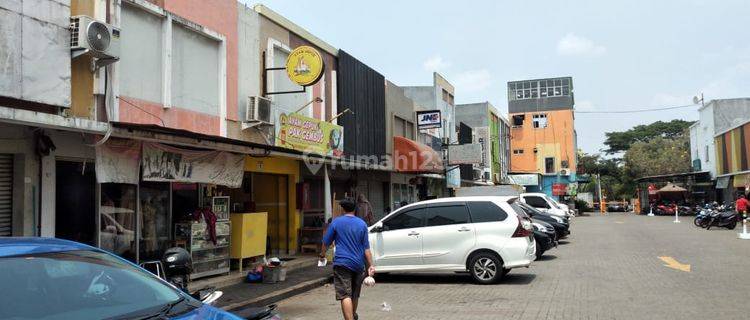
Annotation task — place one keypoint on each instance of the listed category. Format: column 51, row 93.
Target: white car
column 486, row 236
column 545, row 203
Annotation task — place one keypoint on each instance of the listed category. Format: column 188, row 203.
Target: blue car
column 44, row 278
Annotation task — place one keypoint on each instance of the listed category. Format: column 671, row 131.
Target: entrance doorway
column 272, row 196
column 75, row 201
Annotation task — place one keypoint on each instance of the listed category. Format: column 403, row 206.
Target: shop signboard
column 166, row 163
column 470, row 153
column 304, row 66
column 297, row 132
column 117, row 161
column 429, row 119
column 559, row 189
column 482, row 136
column 531, row 179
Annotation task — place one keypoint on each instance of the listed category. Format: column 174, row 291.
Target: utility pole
column 599, row 188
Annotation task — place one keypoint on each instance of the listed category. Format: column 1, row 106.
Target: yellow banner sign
column 304, row 66
column 294, row 131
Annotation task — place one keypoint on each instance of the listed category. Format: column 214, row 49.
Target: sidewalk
column 243, row 295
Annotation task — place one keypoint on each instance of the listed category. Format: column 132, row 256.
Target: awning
column 414, row 157
column 671, row 187
column 722, row 182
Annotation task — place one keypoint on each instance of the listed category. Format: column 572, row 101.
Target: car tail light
column 523, row 229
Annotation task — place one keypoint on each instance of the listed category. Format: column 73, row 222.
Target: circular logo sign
column 304, row 66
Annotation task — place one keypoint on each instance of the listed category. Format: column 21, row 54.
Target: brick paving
column 608, row 269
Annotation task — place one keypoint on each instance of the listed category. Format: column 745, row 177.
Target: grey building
column 485, row 115
column 540, row 95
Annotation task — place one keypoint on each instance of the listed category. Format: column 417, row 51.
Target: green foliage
column 622, row 141
column 583, row 206
column 658, row 156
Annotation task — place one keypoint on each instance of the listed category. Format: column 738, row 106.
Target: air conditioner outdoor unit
column 486, row 176
column 259, row 110
column 565, row 172
column 96, row 38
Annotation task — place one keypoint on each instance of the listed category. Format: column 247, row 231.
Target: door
column 6, row 195
column 75, row 201
column 448, row 236
column 155, row 220
column 399, row 245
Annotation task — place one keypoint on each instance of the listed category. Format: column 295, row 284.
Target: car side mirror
column 377, row 228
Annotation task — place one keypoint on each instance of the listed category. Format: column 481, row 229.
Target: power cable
column 640, row 110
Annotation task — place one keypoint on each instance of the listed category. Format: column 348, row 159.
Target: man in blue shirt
column 349, row 232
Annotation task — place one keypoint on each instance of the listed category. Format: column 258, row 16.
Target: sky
column 622, row 55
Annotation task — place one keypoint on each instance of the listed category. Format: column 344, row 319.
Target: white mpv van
column 544, row 203
column 486, row 236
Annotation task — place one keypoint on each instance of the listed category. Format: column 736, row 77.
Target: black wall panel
column 361, row 89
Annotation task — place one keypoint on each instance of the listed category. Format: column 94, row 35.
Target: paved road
column 609, row 269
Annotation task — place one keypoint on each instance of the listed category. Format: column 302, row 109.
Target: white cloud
column 573, row 45
column 435, row 63
column 585, row 105
column 472, row 81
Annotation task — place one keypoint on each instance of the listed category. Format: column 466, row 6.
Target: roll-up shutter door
column 376, row 199
column 6, row 194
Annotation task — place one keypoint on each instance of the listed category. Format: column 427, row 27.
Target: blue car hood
column 207, row 312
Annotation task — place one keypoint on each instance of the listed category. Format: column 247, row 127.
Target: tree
column 622, row 141
column 658, row 156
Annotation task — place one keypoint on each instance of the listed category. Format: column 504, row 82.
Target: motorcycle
column 725, row 219
column 703, row 214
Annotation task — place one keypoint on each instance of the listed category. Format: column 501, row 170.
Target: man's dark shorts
column 347, row 283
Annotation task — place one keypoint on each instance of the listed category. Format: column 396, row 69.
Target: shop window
column 155, row 220
column 539, row 120
column 117, row 226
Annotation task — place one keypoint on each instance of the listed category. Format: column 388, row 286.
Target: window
column 409, row 130
column 549, row 165
column 707, row 154
column 447, row 97
column 405, row 220
column 536, row 202
column 518, row 120
column 539, row 120
column 536, row 89
column 440, row 216
column 485, row 211
column 517, row 151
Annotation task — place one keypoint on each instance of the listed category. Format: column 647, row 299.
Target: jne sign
column 429, row 119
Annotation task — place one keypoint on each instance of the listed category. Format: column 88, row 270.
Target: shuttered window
column 6, row 194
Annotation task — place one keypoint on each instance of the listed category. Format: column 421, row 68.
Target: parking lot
column 611, row 267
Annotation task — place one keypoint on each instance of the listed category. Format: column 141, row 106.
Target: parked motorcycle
column 725, row 219
column 703, row 214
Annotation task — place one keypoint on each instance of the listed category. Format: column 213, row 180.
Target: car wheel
column 486, row 268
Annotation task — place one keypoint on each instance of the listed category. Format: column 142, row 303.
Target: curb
column 280, row 295
column 240, row 278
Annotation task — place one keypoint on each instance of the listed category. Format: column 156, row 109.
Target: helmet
column 177, row 261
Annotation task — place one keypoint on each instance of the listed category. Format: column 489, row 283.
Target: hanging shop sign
column 470, row 153
column 166, row 163
column 429, row 119
column 559, row 189
column 482, row 136
column 117, row 161
column 304, row 66
column 297, row 132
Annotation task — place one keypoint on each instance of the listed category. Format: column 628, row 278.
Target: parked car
column 58, row 279
column 486, row 236
column 616, row 207
column 545, row 237
column 545, row 203
column 561, row 225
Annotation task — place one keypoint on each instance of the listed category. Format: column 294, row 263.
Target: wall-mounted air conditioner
column 259, row 110
column 565, row 172
column 94, row 38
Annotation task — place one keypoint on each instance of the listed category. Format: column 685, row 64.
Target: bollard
column 744, row 235
column 651, row 211
column 676, row 214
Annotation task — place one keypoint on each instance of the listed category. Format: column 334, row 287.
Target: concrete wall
column 556, row 140
column 730, row 113
column 35, row 51
column 141, row 54
column 702, row 139
column 396, row 105
column 473, row 114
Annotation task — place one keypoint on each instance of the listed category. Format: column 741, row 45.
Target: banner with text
column 297, row 132
column 166, row 163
